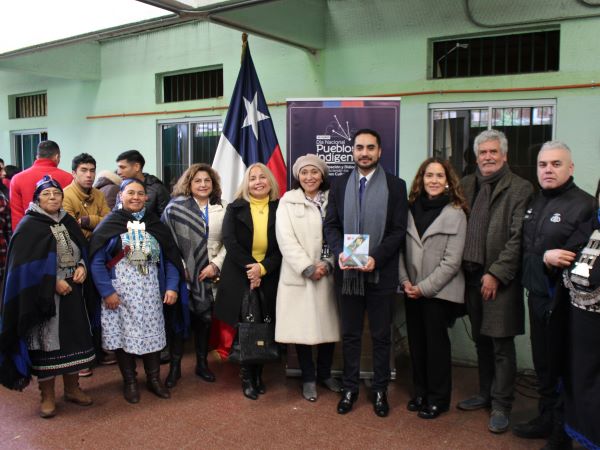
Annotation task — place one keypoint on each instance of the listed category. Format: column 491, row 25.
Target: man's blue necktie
column 361, row 189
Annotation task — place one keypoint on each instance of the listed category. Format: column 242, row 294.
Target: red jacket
column 22, row 185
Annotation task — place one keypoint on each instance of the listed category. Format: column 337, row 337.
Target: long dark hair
column 454, row 191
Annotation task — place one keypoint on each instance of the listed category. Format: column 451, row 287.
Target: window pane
column 205, row 139
column 175, row 153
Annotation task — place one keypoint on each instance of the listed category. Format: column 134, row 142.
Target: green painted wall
column 372, row 48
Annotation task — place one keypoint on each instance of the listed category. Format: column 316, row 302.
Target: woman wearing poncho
column 582, row 378
column 137, row 269
column 45, row 327
column 194, row 216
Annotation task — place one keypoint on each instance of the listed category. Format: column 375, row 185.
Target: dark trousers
column 324, row 359
column 497, row 357
column 427, row 323
column 542, row 353
column 379, row 312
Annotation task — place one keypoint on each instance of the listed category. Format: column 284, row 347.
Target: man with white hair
column 549, row 242
column 492, row 262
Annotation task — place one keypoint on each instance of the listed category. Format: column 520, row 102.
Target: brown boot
column 47, row 405
column 73, row 392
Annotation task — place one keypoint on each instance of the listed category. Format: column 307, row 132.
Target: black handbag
column 255, row 343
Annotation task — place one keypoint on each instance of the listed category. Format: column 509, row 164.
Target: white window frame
column 184, row 120
column 13, row 150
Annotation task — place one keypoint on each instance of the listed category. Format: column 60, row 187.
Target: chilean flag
column 248, row 134
column 248, row 137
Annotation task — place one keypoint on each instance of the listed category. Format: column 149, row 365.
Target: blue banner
column 325, row 127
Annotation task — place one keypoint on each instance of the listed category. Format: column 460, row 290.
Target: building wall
column 372, row 48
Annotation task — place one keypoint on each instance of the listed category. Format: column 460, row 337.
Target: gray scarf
column 190, row 231
column 474, row 252
column 370, row 219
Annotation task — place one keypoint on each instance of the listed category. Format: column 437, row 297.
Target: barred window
column 31, row 105
column 497, row 55
column 526, row 123
column 193, row 85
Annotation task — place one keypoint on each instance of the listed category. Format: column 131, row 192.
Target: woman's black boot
column 247, row 374
column 126, row 362
column 176, row 348
column 201, row 338
column 152, row 368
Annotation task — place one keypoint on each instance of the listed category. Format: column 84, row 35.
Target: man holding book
column 366, row 201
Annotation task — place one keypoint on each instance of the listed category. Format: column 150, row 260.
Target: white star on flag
column 253, row 115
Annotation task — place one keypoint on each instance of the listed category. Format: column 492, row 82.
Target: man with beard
column 367, row 201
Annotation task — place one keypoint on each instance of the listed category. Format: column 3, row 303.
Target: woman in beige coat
column 306, row 312
column 432, row 278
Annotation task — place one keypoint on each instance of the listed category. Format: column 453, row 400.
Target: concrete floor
column 216, row 415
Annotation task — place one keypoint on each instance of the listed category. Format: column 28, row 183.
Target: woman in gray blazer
column 433, row 282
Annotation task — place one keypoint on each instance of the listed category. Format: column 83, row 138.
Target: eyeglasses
column 54, row 193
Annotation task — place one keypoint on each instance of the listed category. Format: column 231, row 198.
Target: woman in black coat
column 252, row 259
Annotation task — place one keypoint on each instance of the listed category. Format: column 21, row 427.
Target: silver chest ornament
column 581, row 272
column 64, row 250
column 139, row 248
column 555, row 218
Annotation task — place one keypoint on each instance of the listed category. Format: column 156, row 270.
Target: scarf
column 370, row 219
column 185, row 219
column 425, row 210
column 474, row 253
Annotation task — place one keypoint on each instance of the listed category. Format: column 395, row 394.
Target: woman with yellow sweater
column 252, row 259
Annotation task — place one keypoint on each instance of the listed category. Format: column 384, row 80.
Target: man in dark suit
column 367, row 201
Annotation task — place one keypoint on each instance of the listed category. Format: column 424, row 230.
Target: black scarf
column 115, row 224
column 425, row 210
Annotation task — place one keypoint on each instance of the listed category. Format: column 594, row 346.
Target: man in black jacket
column 367, row 201
column 550, row 220
column 130, row 164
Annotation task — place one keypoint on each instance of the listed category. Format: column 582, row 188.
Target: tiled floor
column 202, row 415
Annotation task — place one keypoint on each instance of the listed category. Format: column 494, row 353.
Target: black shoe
column 539, row 427
column 203, row 371
column 415, row 404
column 380, row 404
column 431, row 411
column 131, row 392
column 558, row 440
column 246, row 374
column 347, row 401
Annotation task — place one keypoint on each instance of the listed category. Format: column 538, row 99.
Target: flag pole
column 244, row 46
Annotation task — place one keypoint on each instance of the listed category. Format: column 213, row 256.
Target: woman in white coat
column 432, row 279
column 306, row 313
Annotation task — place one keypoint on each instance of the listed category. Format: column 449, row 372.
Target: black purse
column 255, row 343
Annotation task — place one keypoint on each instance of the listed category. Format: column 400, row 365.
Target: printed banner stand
column 325, row 126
